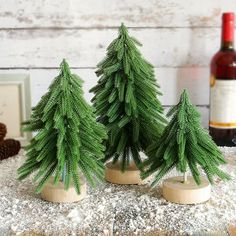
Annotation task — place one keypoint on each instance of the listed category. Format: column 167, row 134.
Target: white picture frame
column 15, row 105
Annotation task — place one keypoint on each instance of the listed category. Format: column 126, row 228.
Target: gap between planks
column 92, row 67
column 108, row 27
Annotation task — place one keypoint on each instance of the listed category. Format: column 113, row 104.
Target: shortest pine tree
column 68, row 138
column 184, row 144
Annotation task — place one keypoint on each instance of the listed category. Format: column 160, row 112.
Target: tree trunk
column 185, row 178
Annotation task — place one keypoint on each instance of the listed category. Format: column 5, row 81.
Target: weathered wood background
column 179, row 38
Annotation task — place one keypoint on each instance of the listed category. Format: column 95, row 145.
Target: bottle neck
column 227, row 35
column 227, row 46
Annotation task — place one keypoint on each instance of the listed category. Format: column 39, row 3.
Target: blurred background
column 179, row 38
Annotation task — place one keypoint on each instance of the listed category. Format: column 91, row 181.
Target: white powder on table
column 113, row 209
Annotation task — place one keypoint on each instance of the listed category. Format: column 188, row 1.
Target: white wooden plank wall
column 179, row 39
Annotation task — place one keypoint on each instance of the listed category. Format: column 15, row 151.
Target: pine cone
column 9, row 148
column 13, row 146
column 3, row 151
column 3, row 131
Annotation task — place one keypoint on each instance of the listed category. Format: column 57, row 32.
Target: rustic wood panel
column 179, row 47
column 104, row 13
column 179, row 38
column 172, row 81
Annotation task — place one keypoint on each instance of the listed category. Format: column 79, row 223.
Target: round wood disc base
column 174, row 190
column 131, row 175
column 57, row 193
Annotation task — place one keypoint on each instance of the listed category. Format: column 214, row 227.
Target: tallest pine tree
column 126, row 100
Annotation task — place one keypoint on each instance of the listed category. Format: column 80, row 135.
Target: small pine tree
column 126, row 100
column 68, row 137
column 184, row 143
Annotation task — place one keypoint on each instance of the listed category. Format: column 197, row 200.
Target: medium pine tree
column 126, row 100
column 68, row 137
column 184, row 144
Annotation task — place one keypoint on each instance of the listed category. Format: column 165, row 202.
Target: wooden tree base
column 57, row 193
column 131, row 175
column 174, row 190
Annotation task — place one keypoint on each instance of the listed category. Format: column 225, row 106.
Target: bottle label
column 223, row 104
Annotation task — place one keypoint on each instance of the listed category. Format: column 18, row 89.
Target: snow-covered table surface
column 113, row 209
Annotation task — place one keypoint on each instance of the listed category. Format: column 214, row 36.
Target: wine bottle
column 222, row 124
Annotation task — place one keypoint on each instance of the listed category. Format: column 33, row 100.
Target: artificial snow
column 113, row 209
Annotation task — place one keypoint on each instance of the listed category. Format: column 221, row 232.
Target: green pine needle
column 68, row 136
column 184, row 143
column 126, row 100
